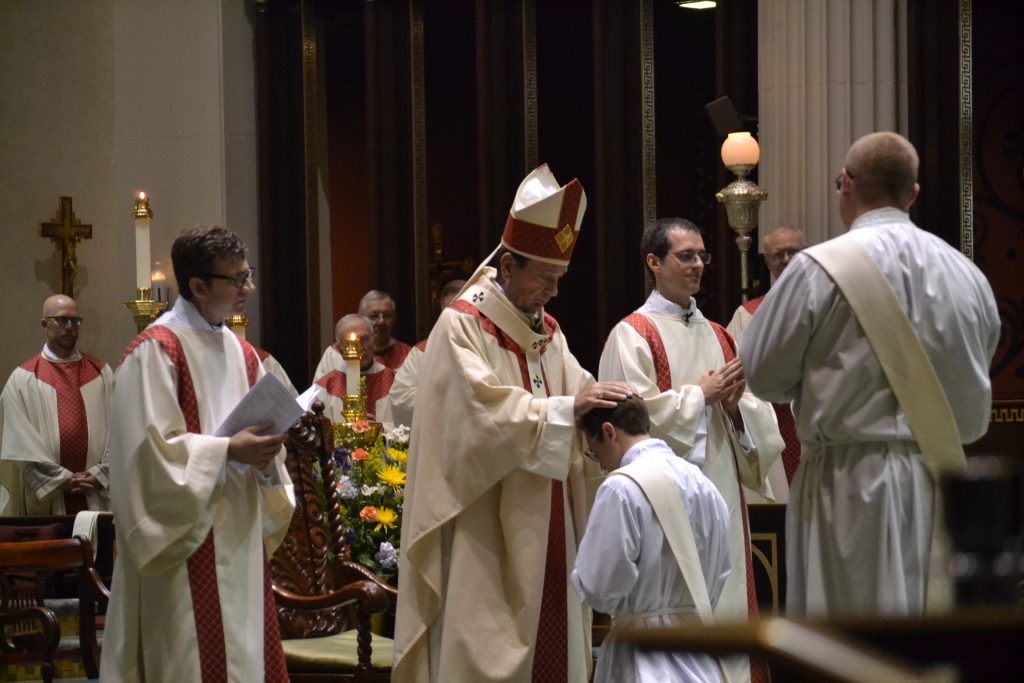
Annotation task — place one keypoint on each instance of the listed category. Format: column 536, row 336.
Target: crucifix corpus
column 66, row 231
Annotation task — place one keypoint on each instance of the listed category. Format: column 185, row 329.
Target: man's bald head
column 450, row 291
column 883, row 170
column 780, row 245
column 60, row 324
column 57, row 303
column 362, row 328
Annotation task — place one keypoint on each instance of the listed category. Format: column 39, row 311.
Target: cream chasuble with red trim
column 191, row 599
column 53, row 422
column 484, row 592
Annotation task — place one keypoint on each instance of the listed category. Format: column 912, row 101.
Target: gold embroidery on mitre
column 564, row 238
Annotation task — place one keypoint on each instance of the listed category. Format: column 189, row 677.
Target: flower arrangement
column 371, row 485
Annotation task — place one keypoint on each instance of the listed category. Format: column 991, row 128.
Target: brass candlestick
column 353, row 406
column 238, row 324
column 144, row 310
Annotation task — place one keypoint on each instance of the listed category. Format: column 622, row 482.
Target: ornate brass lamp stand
column 742, row 198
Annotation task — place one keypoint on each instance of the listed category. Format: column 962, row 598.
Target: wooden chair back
column 302, row 564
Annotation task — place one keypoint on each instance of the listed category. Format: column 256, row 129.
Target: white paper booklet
column 268, row 401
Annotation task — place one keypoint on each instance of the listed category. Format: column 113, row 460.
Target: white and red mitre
column 544, row 222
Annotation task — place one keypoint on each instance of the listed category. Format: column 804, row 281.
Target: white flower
column 372, row 490
column 397, row 437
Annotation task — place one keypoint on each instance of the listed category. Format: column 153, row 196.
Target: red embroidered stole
column 67, row 380
column 202, row 565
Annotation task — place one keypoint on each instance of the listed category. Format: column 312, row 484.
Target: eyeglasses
column 839, row 179
column 237, row 280
column 781, row 255
column 591, row 455
column 64, row 321
column 689, row 257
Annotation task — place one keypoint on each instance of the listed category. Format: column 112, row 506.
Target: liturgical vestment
column 274, row 367
column 663, row 350
column 331, row 360
column 859, row 520
column 191, row 598
column 782, row 471
column 394, row 355
column 401, row 401
column 495, row 500
column 53, row 422
column 378, row 384
column 626, row 567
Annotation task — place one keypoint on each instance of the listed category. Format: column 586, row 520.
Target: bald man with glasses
column 53, row 424
column 780, row 246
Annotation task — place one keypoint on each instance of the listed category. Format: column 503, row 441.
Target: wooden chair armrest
column 356, row 572
column 102, row 592
column 367, row 595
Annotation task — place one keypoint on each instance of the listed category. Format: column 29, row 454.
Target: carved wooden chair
column 325, row 601
column 31, row 571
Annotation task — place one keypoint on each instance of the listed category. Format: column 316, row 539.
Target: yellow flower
column 392, row 476
column 386, row 518
column 398, row 455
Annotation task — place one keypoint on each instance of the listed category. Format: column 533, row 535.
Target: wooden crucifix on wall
column 66, row 230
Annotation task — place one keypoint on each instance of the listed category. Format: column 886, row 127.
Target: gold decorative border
column 648, row 150
column 1008, row 411
column 418, row 120
column 311, row 189
column 966, row 133
column 771, row 566
column 530, row 146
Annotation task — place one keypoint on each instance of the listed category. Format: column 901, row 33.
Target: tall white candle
column 352, row 370
column 142, row 215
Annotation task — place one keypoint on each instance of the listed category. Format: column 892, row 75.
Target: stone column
column 828, row 73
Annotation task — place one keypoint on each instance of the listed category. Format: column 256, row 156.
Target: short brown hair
column 884, row 169
column 630, row 415
column 194, row 252
column 655, row 238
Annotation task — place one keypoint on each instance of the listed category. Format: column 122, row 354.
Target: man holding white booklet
column 197, row 514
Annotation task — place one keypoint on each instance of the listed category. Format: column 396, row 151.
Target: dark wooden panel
column 933, row 94
column 999, row 185
column 284, row 301
column 735, row 76
column 616, row 200
column 565, row 128
column 348, row 195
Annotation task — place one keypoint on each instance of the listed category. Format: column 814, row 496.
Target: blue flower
column 350, row 536
column 346, row 489
column 341, row 458
column 387, row 556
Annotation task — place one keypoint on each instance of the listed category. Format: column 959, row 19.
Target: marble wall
column 100, row 100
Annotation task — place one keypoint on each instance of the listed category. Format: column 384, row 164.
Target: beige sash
column 675, row 522
column 899, row 351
